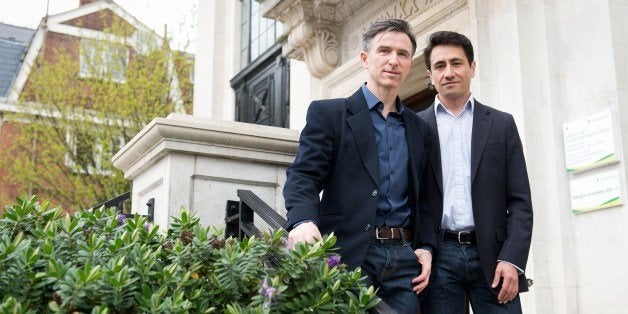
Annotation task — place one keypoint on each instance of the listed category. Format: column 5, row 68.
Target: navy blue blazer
column 500, row 191
column 338, row 155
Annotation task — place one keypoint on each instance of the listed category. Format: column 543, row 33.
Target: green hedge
column 97, row 261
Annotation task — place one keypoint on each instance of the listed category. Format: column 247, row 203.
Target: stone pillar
column 196, row 163
column 551, row 63
column 217, row 59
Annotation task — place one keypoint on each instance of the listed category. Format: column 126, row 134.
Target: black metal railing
column 239, row 218
column 240, row 224
column 119, row 201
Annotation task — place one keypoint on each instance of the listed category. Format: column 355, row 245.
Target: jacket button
column 368, row 227
column 374, row 193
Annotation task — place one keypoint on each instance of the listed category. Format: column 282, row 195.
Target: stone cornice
column 181, row 133
column 326, row 33
column 316, row 45
column 311, row 28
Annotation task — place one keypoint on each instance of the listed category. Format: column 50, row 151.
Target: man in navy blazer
column 476, row 188
column 367, row 154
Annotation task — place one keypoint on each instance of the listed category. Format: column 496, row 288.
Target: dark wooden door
column 262, row 90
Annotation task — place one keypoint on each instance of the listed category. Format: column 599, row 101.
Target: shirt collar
column 372, row 100
column 469, row 105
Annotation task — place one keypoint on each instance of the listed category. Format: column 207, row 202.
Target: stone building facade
column 548, row 63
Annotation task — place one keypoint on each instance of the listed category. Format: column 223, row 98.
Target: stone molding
column 311, row 29
column 326, row 33
column 431, row 12
column 316, row 45
column 191, row 135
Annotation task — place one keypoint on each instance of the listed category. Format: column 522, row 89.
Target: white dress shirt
column 454, row 133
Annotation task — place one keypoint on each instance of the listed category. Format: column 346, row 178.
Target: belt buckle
column 460, row 240
column 377, row 236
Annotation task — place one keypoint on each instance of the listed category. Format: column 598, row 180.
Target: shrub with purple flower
column 333, row 261
column 267, row 290
column 188, row 269
column 121, row 219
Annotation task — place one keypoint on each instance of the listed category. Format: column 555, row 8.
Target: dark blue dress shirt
column 392, row 149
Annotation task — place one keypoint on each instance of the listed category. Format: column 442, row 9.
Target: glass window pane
column 254, row 26
column 262, row 32
column 270, row 38
column 254, row 49
column 278, row 29
column 266, row 22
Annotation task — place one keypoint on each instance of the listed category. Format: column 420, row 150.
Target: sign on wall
column 597, row 191
column 590, row 142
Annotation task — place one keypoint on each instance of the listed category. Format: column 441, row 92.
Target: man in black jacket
column 476, row 188
column 367, row 153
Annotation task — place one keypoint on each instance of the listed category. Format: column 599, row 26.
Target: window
column 89, row 154
column 262, row 86
column 258, row 32
column 103, row 60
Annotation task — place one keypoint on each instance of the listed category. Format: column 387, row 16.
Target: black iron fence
column 121, row 200
column 239, row 218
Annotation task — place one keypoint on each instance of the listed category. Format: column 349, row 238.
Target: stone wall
column 196, row 163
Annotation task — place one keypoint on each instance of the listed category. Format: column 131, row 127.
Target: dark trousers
column 390, row 266
column 459, row 279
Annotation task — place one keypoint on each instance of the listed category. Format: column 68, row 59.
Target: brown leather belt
column 386, row 233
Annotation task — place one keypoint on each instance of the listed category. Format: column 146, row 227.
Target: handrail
column 269, row 215
column 118, row 203
column 239, row 218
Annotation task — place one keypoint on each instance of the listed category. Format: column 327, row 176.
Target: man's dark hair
column 448, row 38
column 390, row 25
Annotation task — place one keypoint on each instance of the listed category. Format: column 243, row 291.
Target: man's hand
column 510, row 282
column 425, row 259
column 304, row 232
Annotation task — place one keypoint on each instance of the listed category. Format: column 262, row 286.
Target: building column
column 217, row 59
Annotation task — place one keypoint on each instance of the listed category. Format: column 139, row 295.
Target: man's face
column 451, row 72
column 388, row 60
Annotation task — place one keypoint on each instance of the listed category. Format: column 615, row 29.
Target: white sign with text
column 597, row 191
column 590, row 142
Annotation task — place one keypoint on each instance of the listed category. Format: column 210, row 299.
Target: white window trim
column 88, row 50
column 97, row 154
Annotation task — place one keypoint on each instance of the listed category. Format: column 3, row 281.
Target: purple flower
column 333, row 261
column 121, row 219
column 267, row 290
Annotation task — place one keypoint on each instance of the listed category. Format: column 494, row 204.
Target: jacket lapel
column 361, row 125
column 435, row 159
column 482, row 124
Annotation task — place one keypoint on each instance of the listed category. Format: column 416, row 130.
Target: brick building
column 95, row 30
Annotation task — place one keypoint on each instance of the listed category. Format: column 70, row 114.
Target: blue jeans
column 458, row 279
column 390, row 266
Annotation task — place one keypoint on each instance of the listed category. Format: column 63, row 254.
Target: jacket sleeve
column 309, row 171
column 519, row 204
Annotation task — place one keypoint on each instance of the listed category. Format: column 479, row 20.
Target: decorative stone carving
column 317, row 46
column 353, row 29
column 311, row 29
column 323, row 33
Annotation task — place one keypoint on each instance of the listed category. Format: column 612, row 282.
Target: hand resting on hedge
column 304, row 232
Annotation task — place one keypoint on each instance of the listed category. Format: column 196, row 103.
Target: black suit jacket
column 338, row 155
column 500, row 191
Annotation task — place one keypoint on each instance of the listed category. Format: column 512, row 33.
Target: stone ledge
column 186, row 134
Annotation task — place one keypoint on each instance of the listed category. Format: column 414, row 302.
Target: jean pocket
column 414, row 256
